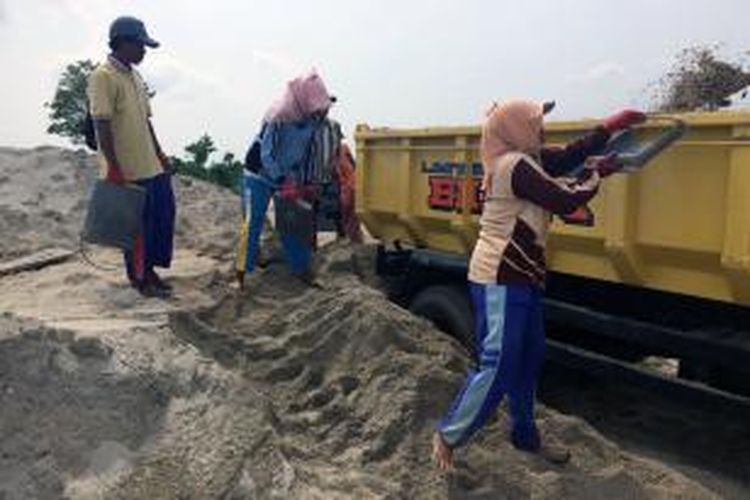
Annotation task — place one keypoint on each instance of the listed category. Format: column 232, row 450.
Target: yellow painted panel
column 680, row 225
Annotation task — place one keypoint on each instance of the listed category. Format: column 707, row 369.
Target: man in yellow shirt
column 130, row 152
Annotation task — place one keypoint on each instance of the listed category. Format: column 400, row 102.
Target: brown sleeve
column 560, row 161
column 559, row 198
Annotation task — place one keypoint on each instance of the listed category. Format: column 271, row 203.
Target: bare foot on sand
column 441, row 453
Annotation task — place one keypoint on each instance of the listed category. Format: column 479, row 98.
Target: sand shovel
column 633, row 158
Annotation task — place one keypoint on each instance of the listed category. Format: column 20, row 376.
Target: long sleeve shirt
column 518, row 207
column 285, row 149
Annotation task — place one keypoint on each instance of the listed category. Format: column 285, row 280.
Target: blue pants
column 154, row 246
column 509, row 338
column 256, row 195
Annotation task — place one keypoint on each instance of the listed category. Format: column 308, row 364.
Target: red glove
column 289, row 191
column 114, row 175
column 583, row 216
column 624, row 119
column 606, row 165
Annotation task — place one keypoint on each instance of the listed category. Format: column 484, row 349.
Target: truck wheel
column 449, row 309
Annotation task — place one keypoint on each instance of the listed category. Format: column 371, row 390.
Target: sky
column 391, row 63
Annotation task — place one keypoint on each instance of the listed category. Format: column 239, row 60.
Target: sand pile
column 43, row 195
column 41, row 198
column 354, row 385
column 286, row 392
column 282, row 392
column 79, row 413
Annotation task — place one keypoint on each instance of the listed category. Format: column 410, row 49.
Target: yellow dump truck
column 665, row 269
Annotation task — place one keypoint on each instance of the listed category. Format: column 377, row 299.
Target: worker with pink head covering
column 524, row 184
column 303, row 97
column 286, row 161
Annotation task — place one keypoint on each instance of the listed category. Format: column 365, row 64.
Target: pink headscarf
column 302, row 97
column 513, row 126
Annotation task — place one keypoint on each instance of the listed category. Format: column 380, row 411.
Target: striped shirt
column 524, row 194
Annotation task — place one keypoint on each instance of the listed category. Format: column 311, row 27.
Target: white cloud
column 222, row 63
column 83, row 11
column 601, row 71
column 167, row 73
column 283, row 65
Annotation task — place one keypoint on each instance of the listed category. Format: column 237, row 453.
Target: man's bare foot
column 150, row 290
column 442, row 454
column 154, row 279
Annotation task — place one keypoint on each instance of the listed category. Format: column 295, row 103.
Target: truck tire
column 449, row 309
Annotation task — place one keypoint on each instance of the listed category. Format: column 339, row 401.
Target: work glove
column 582, row 216
column 289, row 191
column 605, row 165
column 114, row 175
column 624, row 119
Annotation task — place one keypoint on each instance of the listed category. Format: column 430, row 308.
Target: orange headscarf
column 513, row 126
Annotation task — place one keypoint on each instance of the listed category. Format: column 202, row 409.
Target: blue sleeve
column 271, row 166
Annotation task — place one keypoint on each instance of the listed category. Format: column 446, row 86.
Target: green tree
column 70, row 104
column 226, row 172
column 700, row 79
column 201, row 150
column 68, row 107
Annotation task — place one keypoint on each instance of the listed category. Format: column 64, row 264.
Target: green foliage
column 201, row 150
column 67, row 111
column 68, row 107
column 226, row 173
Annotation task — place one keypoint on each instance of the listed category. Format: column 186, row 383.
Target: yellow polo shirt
column 118, row 94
